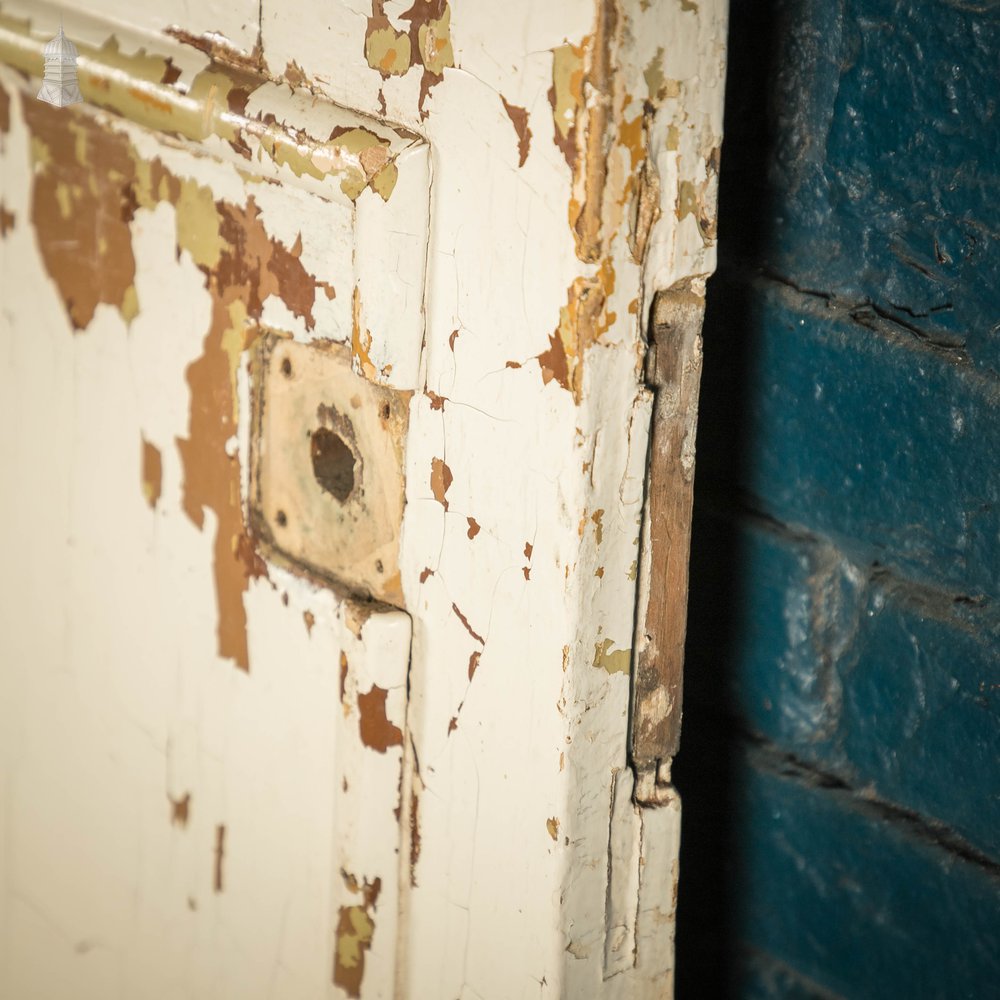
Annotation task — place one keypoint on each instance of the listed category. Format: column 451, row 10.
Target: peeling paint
column 377, row 732
column 441, row 480
column 593, row 226
column 219, row 857
column 566, row 96
column 242, row 265
column 295, row 75
column 614, row 662
column 519, row 119
column 414, row 836
column 80, row 215
column 597, row 518
column 180, row 810
column 654, row 76
column 147, row 89
column 693, row 200
column 468, row 628
column 354, row 933
column 392, row 51
column 587, row 206
column 152, row 473
column 220, row 50
column 582, row 321
column 386, row 49
column 645, row 208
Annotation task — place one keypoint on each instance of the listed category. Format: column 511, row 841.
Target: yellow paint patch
column 597, row 518
column 354, row 933
column 143, row 88
column 614, row 662
column 354, row 937
column 129, row 308
column 198, row 224
column 434, row 38
column 654, row 77
column 152, row 473
column 582, row 321
column 566, row 95
column 388, row 51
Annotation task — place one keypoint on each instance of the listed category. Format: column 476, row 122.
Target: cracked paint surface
column 552, row 222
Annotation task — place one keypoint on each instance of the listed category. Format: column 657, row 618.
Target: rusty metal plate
column 327, row 466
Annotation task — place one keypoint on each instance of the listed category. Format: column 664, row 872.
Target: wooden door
column 325, row 431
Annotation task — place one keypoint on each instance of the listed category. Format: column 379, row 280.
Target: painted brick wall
column 840, row 760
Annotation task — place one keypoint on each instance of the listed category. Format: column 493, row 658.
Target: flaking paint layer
column 81, row 217
column 354, row 933
column 426, row 42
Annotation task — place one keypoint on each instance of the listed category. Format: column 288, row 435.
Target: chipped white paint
column 518, row 555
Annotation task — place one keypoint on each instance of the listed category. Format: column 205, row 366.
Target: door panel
column 318, row 677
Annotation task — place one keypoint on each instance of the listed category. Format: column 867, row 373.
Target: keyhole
column 333, row 463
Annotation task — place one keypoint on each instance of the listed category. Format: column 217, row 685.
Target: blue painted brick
column 856, row 434
column 893, row 688
column 883, row 164
column 855, row 903
column 761, row 977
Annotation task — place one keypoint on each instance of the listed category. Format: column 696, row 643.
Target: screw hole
column 332, row 462
column 378, row 566
column 281, row 518
column 286, row 368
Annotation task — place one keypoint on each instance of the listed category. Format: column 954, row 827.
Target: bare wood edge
column 673, row 373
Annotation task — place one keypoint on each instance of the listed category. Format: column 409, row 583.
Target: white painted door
column 325, row 415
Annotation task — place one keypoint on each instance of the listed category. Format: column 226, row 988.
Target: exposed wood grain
column 673, row 370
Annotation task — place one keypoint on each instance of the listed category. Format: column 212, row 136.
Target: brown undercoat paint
column 81, row 218
column 377, row 732
column 519, row 119
column 441, row 480
column 468, row 628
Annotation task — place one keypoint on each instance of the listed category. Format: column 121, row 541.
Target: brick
column 877, row 180
column 761, row 977
column 864, row 435
column 854, row 902
column 891, row 687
